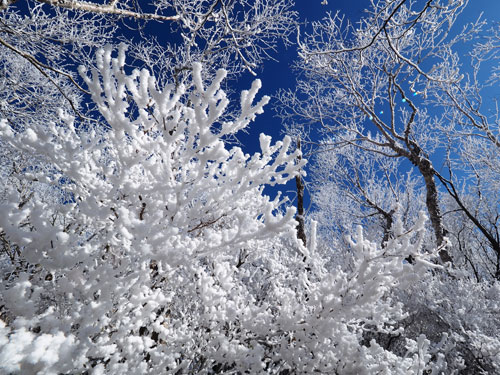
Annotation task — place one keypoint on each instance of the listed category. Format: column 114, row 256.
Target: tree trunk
column 301, row 233
column 388, row 221
column 432, row 203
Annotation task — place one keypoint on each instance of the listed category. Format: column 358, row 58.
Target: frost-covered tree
column 162, row 254
column 398, row 83
column 398, row 88
column 153, row 196
column 43, row 42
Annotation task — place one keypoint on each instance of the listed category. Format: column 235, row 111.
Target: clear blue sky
column 276, row 75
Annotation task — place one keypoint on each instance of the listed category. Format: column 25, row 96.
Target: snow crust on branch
column 159, row 185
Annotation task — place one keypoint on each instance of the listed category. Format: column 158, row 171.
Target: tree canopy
column 136, row 234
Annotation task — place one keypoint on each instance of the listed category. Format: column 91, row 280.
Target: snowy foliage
column 397, row 110
column 136, row 238
column 165, row 255
column 152, row 194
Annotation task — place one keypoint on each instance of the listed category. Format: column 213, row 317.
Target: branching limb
column 109, row 8
column 41, row 68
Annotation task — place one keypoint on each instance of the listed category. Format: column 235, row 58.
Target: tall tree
column 394, row 85
column 158, row 191
column 406, row 85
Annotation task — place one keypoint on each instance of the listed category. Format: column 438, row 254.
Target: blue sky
column 276, row 75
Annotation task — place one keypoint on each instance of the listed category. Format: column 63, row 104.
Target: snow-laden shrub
column 166, row 257
column 156, row 195
column 461, row 315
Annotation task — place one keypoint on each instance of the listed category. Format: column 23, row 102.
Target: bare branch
column 109, row 8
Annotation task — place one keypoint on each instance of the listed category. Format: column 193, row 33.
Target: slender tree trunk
column 301, row 233
column 432, row 203
column 388, row 221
